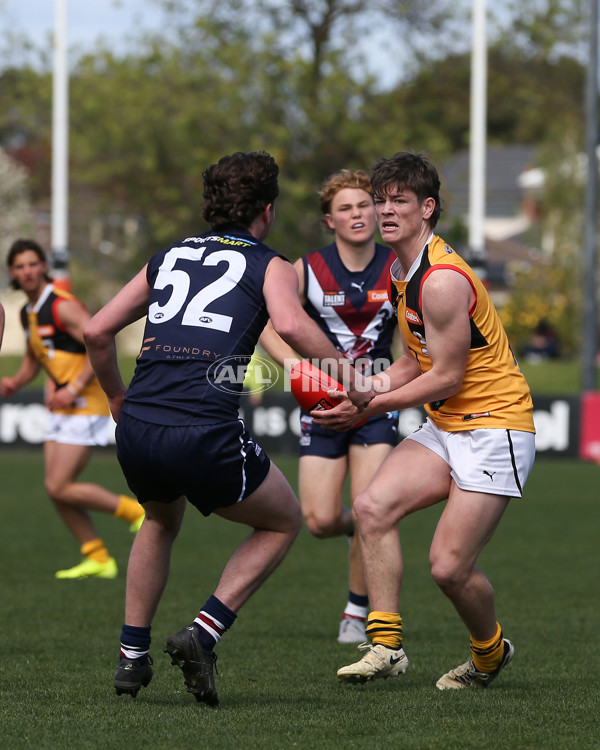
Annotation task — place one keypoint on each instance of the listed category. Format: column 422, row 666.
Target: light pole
column 478, row 130
column 590, row 260
column 60, row 149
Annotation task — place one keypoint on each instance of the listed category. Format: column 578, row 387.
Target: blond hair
column 345, row 178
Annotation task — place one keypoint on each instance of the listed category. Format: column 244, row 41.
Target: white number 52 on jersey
column 197, row 312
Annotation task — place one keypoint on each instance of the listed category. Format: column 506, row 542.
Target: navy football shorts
column 317, row 441
column 214, row 465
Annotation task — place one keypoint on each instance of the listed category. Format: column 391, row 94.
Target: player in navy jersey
column 343, row 288
column 179, row 437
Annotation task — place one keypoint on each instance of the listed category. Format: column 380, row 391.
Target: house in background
column 509, row 217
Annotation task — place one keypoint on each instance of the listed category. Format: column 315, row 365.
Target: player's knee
column 55, row 490
column 448, row 573
column 369, row 517
column 322, row 525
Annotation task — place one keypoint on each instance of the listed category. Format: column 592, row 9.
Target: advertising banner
column 275, row 423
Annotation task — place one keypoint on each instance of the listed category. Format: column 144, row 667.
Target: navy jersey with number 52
column 206, row 312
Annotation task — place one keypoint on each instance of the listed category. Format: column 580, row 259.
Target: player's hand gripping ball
column 309, row 386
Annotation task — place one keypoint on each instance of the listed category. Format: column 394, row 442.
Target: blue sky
column 87, row 19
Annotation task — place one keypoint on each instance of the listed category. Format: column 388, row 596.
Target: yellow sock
column 487, row 655
column 128, row 509
column 385, row 628
column 95, row 550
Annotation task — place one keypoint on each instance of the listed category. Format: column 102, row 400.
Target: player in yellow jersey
column 79, row 416
column 476, row 448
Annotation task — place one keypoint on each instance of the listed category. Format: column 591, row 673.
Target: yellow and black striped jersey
column 61, row 356
column 494, row 392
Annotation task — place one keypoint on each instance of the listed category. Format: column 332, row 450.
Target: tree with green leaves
column 16, row 215
column 288, row 77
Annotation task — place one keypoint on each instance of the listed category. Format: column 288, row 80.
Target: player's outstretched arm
column 271, row 341
column 129, row 305
column 300, row 332
column 447, row 299
column 277, row 348
column 28, row 369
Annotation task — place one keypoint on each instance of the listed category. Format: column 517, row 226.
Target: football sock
column 357, row 607
column 135, row 642
column 213, row 620
column 385, row 628
column 95, row 550
column 487, row 655
column 128, row 509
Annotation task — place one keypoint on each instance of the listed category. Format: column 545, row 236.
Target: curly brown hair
column 238, row 187
column 20, row 246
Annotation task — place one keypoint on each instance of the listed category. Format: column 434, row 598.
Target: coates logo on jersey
column 412, row 317
column 242, row 374
column 377, row 295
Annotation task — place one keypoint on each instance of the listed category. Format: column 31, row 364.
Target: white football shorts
column 496, row 461
column 78, row 429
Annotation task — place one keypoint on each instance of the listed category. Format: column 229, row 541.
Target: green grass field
column 277, row 665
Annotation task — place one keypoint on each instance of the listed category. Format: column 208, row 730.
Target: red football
column 309, row 386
